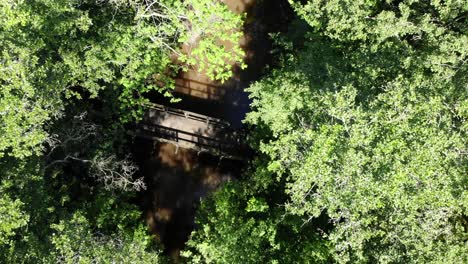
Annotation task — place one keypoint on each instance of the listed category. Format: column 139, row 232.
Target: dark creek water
column 178, row 178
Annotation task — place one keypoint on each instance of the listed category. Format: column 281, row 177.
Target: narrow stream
column 178, row 178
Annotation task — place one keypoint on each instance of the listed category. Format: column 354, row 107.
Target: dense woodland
column 358, row 126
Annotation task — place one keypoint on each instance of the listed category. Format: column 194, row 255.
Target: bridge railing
column 231, row 145
column 187, row 114
column 224, row 140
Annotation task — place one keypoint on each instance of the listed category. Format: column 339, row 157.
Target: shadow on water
column 178, row 178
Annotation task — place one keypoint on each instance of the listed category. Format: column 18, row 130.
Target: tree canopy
column 364, row 121
column 54, row 50
column 368, row 124
column 358, row 128
column 72, row 74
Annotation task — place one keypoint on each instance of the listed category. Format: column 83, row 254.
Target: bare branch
column 116, row 174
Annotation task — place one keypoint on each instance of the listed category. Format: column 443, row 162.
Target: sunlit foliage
column 368, row 124
column 72, row 74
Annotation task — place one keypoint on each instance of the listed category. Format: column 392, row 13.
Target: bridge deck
column 190, row 130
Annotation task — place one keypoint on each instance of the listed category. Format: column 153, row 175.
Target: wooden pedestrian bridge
column 190, row 130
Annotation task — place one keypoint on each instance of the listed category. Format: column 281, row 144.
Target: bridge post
column 220, row 160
